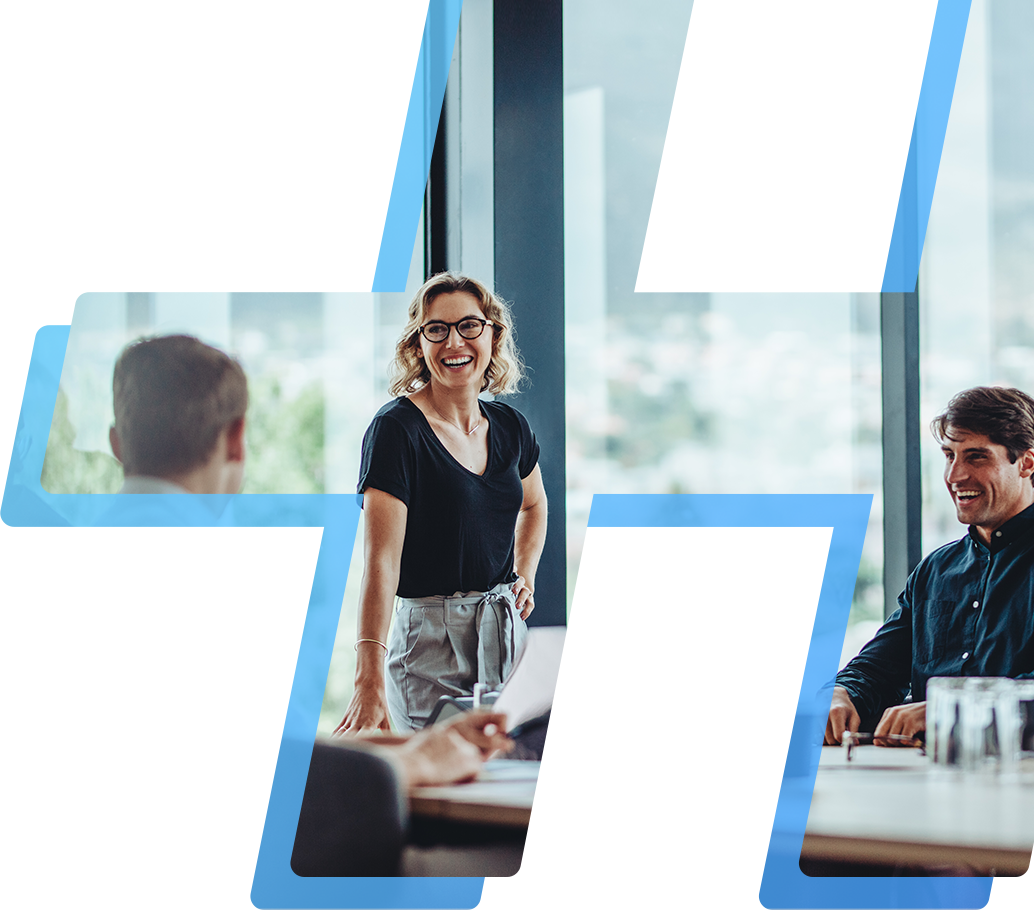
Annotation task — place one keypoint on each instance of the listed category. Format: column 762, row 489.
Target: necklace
column 469, row 432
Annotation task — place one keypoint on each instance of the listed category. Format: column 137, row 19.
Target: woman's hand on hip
column 525, row 597
column 367, row 713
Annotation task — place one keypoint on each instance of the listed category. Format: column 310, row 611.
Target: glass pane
column 693, row 393
column 977, row 273
column 317, row 367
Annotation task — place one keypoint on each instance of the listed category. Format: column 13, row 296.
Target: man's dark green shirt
column 967, row 610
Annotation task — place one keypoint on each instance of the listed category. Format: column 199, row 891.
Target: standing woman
column 455, row 512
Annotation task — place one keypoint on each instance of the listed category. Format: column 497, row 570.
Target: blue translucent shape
column 215, row 147
column 747, row 599
column 203, row 147
column 176, row 685
column 181, row 776
column 803, row 146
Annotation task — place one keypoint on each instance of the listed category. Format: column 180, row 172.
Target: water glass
column 985, row 714
column 943, row 720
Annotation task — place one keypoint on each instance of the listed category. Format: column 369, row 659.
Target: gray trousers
column 443, row 645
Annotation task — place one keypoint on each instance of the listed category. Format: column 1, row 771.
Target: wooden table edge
column 998, row 861
column 476, row 813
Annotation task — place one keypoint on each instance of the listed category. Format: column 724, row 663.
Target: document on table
column 528, row 691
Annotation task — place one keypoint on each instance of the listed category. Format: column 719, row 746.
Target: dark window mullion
column 902, row 475
column 529, row 246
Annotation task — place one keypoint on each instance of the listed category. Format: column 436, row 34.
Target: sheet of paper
column 528, row 691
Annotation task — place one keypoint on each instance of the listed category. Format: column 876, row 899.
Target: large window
column 665, row 393
column 976, row 281
column 317, row 367
column 693, row 393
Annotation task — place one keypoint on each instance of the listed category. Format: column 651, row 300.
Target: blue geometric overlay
column 191, row 147
column 170, row 690
column 746, row 599
column 262, row 147
column 179, row 747
column 803, row 146
column 231, row 146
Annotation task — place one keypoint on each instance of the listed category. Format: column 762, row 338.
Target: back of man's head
column 174, row 395
column 1005, row 416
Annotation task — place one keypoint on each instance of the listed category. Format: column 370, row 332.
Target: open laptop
column 642, row 709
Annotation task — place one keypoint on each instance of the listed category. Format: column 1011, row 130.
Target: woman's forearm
column 375, row 600
column 529, row 539
column 529, row 535
column 384, row 533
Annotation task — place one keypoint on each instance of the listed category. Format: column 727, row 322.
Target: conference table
column 886, row 808
column 472, row 829
column 640, row 797
column 894, row 807
column 501, row 795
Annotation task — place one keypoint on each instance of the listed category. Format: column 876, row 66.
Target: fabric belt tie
column 498, row 639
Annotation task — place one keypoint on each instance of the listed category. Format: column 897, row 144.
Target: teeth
column 456, row 361
column 967, row 494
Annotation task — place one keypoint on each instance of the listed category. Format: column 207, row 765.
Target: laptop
column 641, row 709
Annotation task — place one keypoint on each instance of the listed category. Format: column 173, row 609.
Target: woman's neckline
column 445, row 448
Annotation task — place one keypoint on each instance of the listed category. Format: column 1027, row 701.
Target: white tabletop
column 893, row 806
column 888, row 806
column 501, row 795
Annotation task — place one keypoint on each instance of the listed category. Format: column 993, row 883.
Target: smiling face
column 456, row 362
column 985, row 486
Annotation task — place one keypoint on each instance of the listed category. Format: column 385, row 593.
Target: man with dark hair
column 179, row 417
column 967, row 607
column 156, row 659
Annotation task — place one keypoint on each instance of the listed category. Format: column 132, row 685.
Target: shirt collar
column 214, row 503
column 140, row 484
column 1014, row 528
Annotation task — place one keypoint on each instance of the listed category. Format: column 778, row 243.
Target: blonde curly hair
column 505, row 370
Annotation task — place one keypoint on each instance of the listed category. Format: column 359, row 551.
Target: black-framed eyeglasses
column 469, row 328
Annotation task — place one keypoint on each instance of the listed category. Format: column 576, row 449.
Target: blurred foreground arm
column 451, row 752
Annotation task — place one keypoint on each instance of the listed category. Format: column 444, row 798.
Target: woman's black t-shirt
column 459, row 525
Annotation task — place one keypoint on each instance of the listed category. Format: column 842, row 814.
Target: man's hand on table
column 842, row 716
column 453, row 751
column 904, row 720
column 445, row 753
column 484, row 729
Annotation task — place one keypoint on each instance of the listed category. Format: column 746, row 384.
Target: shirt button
column 965, row 655
column 976, row 604
column 998, row 533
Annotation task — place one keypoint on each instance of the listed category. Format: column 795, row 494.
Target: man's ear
column 116, row 446
column 1026, row 463
column 235, row 440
